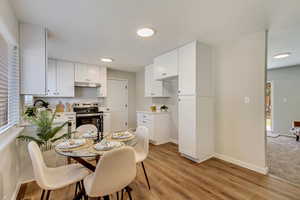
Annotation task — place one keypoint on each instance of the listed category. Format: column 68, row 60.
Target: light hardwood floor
column 175, row 178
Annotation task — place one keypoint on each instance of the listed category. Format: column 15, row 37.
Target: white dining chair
column 50, row 179
column 142, row 148
column 86, row 128
column 115, row 170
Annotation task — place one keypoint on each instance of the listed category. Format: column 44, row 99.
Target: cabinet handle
column 179, row 99
column 178, row 91
column 163, row 74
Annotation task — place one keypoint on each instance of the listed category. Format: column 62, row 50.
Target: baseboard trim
column 261, row 170
column 16, row 192
column 18, row 187
column 175, row 141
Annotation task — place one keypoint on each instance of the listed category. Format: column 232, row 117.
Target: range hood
column 87, row 84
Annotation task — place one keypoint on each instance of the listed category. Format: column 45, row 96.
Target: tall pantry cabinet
column 195, row 102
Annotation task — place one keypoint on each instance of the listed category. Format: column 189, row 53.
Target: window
column 9, row 85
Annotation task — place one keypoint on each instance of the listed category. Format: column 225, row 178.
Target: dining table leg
column 85, row 163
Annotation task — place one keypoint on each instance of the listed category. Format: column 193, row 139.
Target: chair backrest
column 39, row 166
column 115, row 170
column 142, row 134
column 86, row 128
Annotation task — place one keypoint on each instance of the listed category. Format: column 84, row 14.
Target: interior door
column 117, row 101
column 187, row 125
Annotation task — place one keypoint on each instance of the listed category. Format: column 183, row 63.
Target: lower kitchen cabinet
column 158, row 124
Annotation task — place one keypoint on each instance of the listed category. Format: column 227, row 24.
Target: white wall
column 240, row 127
column 130, row 76
column 286, row 97
column 143, row 103
column 9, row 27
column 9, row 151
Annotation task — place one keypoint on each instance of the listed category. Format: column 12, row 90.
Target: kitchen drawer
column 147, row 117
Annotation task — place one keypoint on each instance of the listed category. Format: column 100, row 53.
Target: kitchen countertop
column 153, row 113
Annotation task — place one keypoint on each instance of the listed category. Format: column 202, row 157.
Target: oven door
column 90, row 118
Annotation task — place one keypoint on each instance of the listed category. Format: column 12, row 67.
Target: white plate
column 89, row 135
column 72, row 143
column 121, row 135
column 105, row 145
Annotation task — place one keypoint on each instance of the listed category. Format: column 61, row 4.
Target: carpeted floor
column 283, row 156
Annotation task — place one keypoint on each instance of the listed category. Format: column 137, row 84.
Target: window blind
column 9, row 85
column 3, row 83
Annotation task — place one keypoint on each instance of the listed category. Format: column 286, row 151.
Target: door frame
column 272, row 103
column 126, row 80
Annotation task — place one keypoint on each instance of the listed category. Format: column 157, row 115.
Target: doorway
column 269, row 112
column 117, row 101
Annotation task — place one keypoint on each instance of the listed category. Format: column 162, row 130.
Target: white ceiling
column 282, row 41
column 85, row 30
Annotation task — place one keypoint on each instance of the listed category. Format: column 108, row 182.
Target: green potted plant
column 45, row 132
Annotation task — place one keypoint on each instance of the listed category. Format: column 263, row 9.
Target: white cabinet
column 102, row 90
column 166, row 65
column 154, row 88
column 60, row 79
column 187, row 69
column 106, row 122
column 158, row 124
column 65, row 79
column 81, row 73
column 33, row 57
column 195, row 70
column 187, row 137
column 195, row 102
column 87, row 73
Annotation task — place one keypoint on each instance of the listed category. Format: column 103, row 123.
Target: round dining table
column 85, row 152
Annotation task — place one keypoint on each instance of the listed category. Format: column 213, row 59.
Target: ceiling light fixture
column 282, row 55
column 107, row 60
column 145, row 32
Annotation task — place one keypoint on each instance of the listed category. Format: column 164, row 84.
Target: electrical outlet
column 246, row 100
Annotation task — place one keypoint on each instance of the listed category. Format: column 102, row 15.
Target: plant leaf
column 52, row 132
column 58, row 138
column 30, row 138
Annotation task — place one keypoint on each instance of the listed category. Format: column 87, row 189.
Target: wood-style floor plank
column 173, row 177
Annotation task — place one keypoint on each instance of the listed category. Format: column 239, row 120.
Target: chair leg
column 129, row 193
column 146, row 175
column 117, row 195
column 76, row 188
column 85, row 197
column 122, row 194
column 106, row 197
column 42, row 196
column 297, row 138
column 48, row 195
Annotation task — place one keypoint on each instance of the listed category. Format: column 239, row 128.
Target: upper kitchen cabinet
column 33, row 57
column 194, row 70
column 87, row 74
column 102, row 90
column 166, row 65
column 60, row 79
column 153, row 88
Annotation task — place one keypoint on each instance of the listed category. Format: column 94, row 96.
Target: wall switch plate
column 246, row 100
column 285, row 100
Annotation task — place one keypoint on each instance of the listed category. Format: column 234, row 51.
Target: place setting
column 71, row 145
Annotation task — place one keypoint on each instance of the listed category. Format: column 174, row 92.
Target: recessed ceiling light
column 145, row 32
column 282, row 55
column 107, row 59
